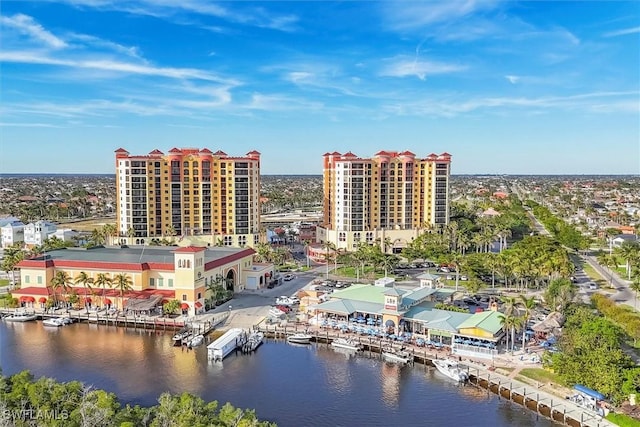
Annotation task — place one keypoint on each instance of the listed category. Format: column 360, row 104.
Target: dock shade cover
column 587, row 391
column 184, row 306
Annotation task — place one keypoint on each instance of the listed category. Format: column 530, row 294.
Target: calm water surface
column 291, row 385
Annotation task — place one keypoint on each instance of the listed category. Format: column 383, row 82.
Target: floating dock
column 230, row 341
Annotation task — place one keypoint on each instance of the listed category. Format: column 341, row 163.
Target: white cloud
column 416, row 15
column 28, row 26
column 37, row 57
column 93, row 41
column 419, row 68
column 622, row 32
column 512, row 79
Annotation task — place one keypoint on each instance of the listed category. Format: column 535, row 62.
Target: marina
column 231, row 340
column 126, row 361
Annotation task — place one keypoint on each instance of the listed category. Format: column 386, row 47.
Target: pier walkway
column 550, row 406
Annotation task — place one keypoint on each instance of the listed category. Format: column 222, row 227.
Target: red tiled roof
column 175, row 150
column 219, row 153
column 407, row 153
column 206, row 150
column 121, row 150
column 156, row 151
column 189, row 249
column 230, row 258
column 349, row 154
column 31, row 290
column 253, row 152
column 381, row 153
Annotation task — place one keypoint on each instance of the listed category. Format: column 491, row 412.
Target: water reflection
column 292, row 385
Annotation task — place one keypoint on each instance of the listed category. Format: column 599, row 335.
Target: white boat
column 231, row 340
column 397, row 356
column 300, row 338
column 196, row 341
column 181, row 335
column 21, row 316
column 451, row 369
column 346, row 344
column 55, row 322
column 253, row 342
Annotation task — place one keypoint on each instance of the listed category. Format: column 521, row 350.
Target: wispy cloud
column 410, row 15
column 623, row 32
column 29, row 27
column 36, row 57
column 30, row 125
column 512, row 79
column 96, row 42
column 597, row 102
column 404, row 67
column 167, row 9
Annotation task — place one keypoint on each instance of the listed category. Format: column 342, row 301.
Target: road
column 623, row 294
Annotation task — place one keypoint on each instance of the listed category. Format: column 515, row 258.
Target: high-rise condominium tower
column 188, row 192
column 389, row 198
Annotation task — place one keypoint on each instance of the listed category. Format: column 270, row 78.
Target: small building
column 429, row 280
column 11, row 233
column 36, row 233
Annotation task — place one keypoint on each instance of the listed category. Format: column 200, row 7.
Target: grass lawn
column 540, row 375
column 623, row 420
column 89, row 224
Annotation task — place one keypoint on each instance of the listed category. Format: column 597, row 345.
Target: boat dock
column 202, row 326
column 233, row 339
column 542, row 403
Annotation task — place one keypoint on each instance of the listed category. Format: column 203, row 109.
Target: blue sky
column 508, row 87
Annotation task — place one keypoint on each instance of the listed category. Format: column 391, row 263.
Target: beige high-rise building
column 190, row 194
column 389, row 198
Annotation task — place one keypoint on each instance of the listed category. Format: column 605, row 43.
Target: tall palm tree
column 85, row 280
column 635, row 287
column 103, row 280
column 110, row 231
column 527, row 305
column 629, row 252
column 123, row 283
column 329, row 251
column 61, row 281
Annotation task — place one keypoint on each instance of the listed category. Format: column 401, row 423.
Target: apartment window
column 39, row 278
column 160, row 282
column 27, row 279
column 170, row 283
column 152, row 282
column 184, row 297
column 199, row 295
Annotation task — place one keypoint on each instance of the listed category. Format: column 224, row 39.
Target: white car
column 593, row 286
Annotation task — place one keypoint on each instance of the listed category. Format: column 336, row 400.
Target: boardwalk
column 548, row 405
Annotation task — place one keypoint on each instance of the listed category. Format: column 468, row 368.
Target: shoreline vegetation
column 45, row 402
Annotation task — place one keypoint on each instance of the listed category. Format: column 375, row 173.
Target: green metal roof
column 416, row 296
column 434, row 318
column 394, row 292
column 347, row 307
column 367, row 293
column 486, row 320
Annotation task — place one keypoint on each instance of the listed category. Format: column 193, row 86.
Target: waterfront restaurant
column 157, row 273
column 394, row 311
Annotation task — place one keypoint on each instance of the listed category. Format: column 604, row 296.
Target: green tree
column 123, row 284
column 103, row 281
column 171, row 307
column 60, row 283
column 86, row 281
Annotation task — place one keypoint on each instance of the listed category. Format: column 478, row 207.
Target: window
column 170, row 283
column 342, row 237
column 184, row 297
column 152, row 282
column 199, row 295
column 39, row 280
column 27, row 279
column 160, row 282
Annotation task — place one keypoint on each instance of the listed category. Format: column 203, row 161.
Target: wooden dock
column 542, row 403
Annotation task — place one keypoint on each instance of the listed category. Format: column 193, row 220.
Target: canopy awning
column 42, row 300
column 87, row 299
column 107, row 301
column 198, row 304
column 27, row 298
column 184, row 306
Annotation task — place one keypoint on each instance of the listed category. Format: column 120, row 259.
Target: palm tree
column 60, row 281
column 110, row 231
column 123, row 283
column 103, row 280
column 629, row 251
column 329, row 249
column 85, row 280
column 635, row 287
column 527, row 305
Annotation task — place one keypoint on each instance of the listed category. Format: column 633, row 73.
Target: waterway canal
column 291, row 385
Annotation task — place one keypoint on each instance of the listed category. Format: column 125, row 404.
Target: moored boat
column 300, row 338
column 397, row 356
column 21, row 316
column 451, row 369
column 346, row 344
column 181, row 335
column 253, row 342
column 196, row 341
column 55, row 322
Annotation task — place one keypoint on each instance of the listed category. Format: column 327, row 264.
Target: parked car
column 288, row 277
